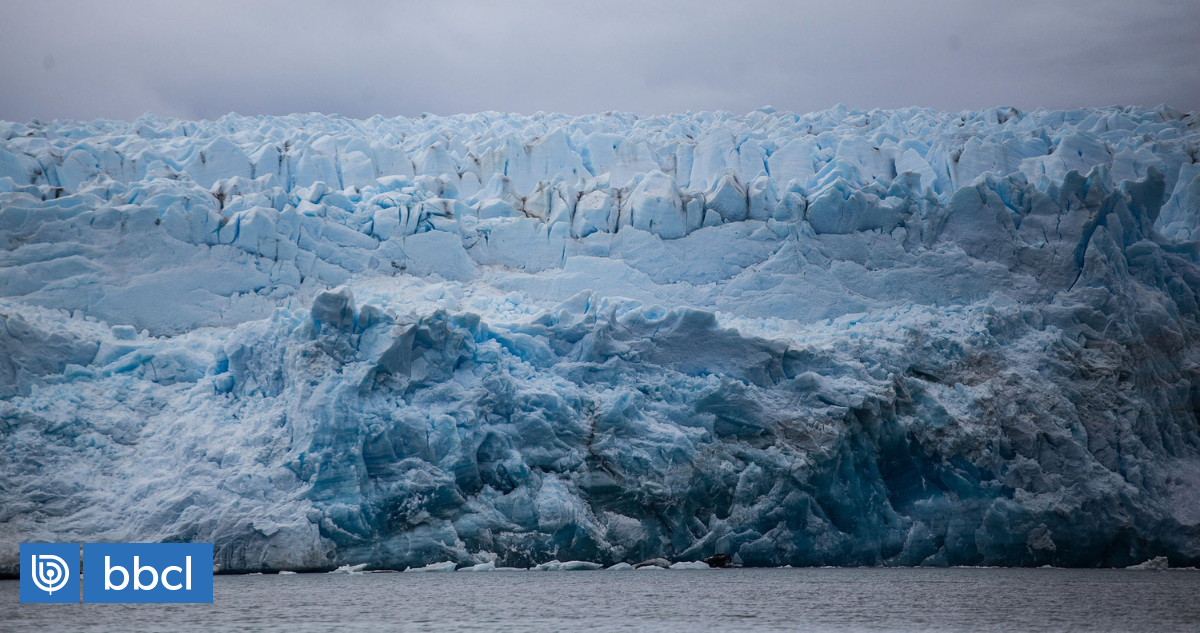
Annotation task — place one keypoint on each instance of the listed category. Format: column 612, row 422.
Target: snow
column 492, row 341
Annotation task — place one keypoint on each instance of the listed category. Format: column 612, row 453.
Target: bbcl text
column 147, row 572
column 138, row 570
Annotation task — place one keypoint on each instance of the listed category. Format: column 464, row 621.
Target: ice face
column 886, row 337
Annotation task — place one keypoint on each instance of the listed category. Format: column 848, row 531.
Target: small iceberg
column 620, row 567
column 691, row 565
column 1158, row 563
column 572, row 565
column 580, row 565
column 446, row 566
column 349, row 569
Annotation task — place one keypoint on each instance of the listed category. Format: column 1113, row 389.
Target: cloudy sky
column 203, row 59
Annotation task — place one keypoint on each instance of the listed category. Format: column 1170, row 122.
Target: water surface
column 866, row 599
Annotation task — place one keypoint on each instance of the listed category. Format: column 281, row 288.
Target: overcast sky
column 118, row 59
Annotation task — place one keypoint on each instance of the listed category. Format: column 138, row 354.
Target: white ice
column 848, row 337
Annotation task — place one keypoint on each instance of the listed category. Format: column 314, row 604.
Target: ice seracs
column 493, row 341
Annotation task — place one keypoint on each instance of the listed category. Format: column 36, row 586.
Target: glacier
column 848, row 337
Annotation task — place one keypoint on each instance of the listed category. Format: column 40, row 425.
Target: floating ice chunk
column 1158, row 563
column 691, row 565
column 580, row 565
column 574, row 565
column 350, row 569
column 434, row 567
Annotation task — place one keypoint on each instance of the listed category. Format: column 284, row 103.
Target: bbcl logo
column 148, row 572
column 117, row 572
column 50, row 572
column 138, row 570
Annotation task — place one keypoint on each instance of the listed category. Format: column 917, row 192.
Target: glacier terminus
column 850, row 337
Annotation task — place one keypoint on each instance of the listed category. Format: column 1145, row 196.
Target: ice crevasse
column 845, row 338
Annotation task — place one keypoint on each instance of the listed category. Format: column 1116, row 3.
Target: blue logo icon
column 50, row 572
column 148, row 572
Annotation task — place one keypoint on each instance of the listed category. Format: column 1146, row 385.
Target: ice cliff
column 844, row 338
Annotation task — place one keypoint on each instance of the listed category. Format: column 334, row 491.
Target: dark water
column 689, row 601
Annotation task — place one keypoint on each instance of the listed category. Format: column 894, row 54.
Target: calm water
column 689, row 601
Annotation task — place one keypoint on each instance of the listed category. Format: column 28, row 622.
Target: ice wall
column 886, row 337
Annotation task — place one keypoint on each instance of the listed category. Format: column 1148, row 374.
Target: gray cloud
column 201, row 60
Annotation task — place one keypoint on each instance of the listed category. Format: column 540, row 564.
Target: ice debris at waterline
column 844, row 338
